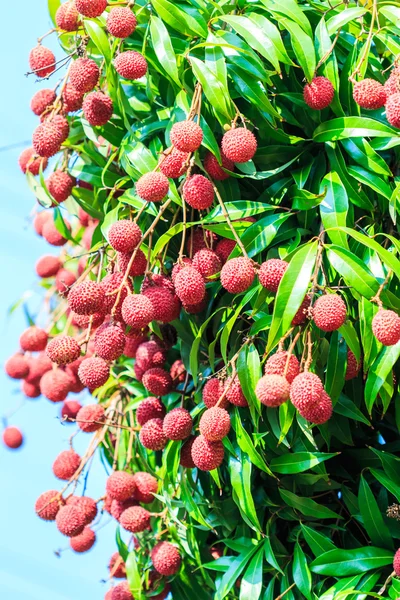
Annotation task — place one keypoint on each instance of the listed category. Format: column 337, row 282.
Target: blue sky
column 29, row 570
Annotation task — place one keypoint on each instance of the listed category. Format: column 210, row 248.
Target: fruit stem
column 228, row 220
column 290, row 352
column 367, row 45
column 309, row 351
column 377, row 297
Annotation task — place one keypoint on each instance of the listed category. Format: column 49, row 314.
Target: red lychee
column 396, row 563
column 38, row 366
column 70, row 520
column 215, row 424
column 200, row 238
column 111, row 284
column 48, row 504
column 138, row 267
column 118, row 507
column 132, row 344
column 109, row 341
column 52, row 235
column 121, row 592
column 166, row 559
column 320, row 412
column 237, row 274
column 94, row 372
column 137, row 311
column 40, row 219
column 166, row 305
column 178, row 371
column 189, row 285
column 234, row 393
column 207, row 263
column 150, row 408
column 67, row 17
column 47, row 266
column 177, row 424
column 224, row 248
column 33, row 339
column 207, row 455
column 198, row 192
column 272, row 390
column 42, row 61
column 97, row 108
column 135, row 519
column 239, row 145
column 276, row 364
column 271, row 272
column 124, row 235
column 302, row 314
column 329, row 312
column 150, row 354
column 392, row 84
column 116, row 566
column 60, row 123
column 386, row 327
column 47, row 139
column 30, row 390
column 186, row 459
column 146, row 487
column 41, row 100
column 64, row 280
column 174, row 164
column 393, row 110
column 70, row 409
column 87, row 505
column 91, row 8
column 91, row 417
column 157, row 381
column 30, row 162
column 369, row 94
column 152, row 187
column 84, row 74
column 186, row 136
column 186, row 262
column 152, row 435
column 60, row 185
column 12, row 438
column 84, row 541
column 214, row 169
column 63, row 349
column 86, row 298
column 306, row 390
column 66, row 464
column 319, row 93
column 121, row 22
column 17, row 366
column 120, row 485
column 55, row 385
column 72, row 99
column 353, row 367
column 212, row 392
column 131, row 65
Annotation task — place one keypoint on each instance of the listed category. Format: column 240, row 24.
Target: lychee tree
column 224, row 193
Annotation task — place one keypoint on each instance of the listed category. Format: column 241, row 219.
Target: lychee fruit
column 224, row 248
column 178, row 371
column 42, row 61
column 131, row 65
column 97, row 108
column 17, row 366
column 47, row 139
column 215, row 424
column 124, row 235
column 64, row 280
column 369, row 94
column 239, row 145
column 272, row 390
column 87, row 505
column 138, row 266
column 52, row 235
column 33, row 339
column 237, row 274
column 30, row 162
column 135, row 519
column 48, row 504
column 207, row 455
column 392, row 84
column 166, row 305
column 41, row 100
column 186, row 136
column 55, row 385
column 174, row 164
column 234, row 392
column 353, row 367
column 386, row 327
column 121, row 22
column 60, row 185
column 90, row 418
column 84, row 541
column 30, row 390
column 118, row 507
column 66, row 464
column 137, row 311
column 186, row 459
column 271, row 272
column 121, row 592
column 150, row 354
column 70, row 409
column 166, row 559
column 67, row 17
column 157, row 381
column 47, row 266
column 320, row 412
column 132, row 344
column 70, row 520
column 185, row 262
column 94, row 372
column 329, row 312
column 306, row 390
column 207, row 263
column 212, row 392
column 38, row 366
column 301, row 316
column 72, row 99
column 116, row 566
column 152, row 435
column 198, row 192
column 109, row 341
column 63, row 349
column 84, row 74
column 91, row 8
column 146, row 487
column 150, row 408
column 12, row 438
column 60, row 123
column 215, row 170
column 276, row 364
column 86, row 298
column 393, row 110
column 200, row 238
column 177, row 424
column 111, row 284
column 190, row 286
column 120, row 485
column 396, row 563
column 152, row 187
column 319, row 93
column 40, row 219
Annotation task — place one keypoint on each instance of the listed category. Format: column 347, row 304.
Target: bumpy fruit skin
column 87, row 505
column 91, row 8
column 234, row 393
column 121, row 592
column 237, row 275
column 150, row 408
column 12, row 438
column 396, row 563
column 118, row 507
column 386, row 327
column 152, row 187
column 215, row 170
column 272, row 390
column 137, row 311
column 177, row 424
column 84, row 541
column 86, row 298
column 166, row 305
column 55, row 385
column 200, row 238
column 392, row 84
column 132, row 344
column 353, row 367
column 146, row 487
column 320, row 412
column 38, row 366
column 301, row 316
column 72, row 99
column 207, row 455
column 329, row 312
column 198, row 192
column 60, row 123
column 67, row 17
column 47, row 139
column 150, row 354
column 42, row 61
column 369, row 94
column 186, row 459
column 319, row 93
column 90, row 417
column 215, row 424
column 224, row 248
column 116, row 566
column 271, row 272
column 97, row 108
column 70, row 520
column 69, row 409
column 52, row 235
column 212, row 392
column 178, row 371
column 124, row 235
column 60, row 185
column 66, row 464
column 30, row 162
column 306, row 390
column 135, row 519
column 33, row 339
column 166, row 559
column 110, row 284
column 207, row 262
column 109, row 341
column 94, row 372
column 239, row 145
column 138, row 267
column 157, row 381
column 17, row 366
column 276, row 364
column 48, row 504
column 121, row 22
column 190, row 286
column 152, row 435
column 131, row 65
column 64, row 280
column 84, row 74
column 186, row 136
column 41, row 100
column 120, row 485
column 393, row 110
column 186, row 262
column 174, row 164
column 63, row 349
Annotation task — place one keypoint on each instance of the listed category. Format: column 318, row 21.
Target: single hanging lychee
column 239, row 145
column 319, row 93
column 369, row 94
column 186, row 136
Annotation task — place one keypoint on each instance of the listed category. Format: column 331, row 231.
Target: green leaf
column 133, row 575
column 252, row 90
column 99, row 38
column 318, row 542
column 372, row 518
column 249, row 372
column 378, row 373
column 363, row 153
column 290, row 9
column 230, row 577
column 346, row 407
column 301, row 572
column 341, row 563
column 307, row 506
column 240, row 472
column 335, row 372
column 298, row 462
column 344, row 17
column 163, row 48
column 53, row 6
column 392, row 13
column 216, row 93
column 303, row 47
column 387, row 482
column 374, row 182
column 348, row 127
column 291, row 292
column 252, row 581
column 334, row 207
column 246, row 445
column 261, row 234
column 181, row 18
column 236, row 211
column 270, row 555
